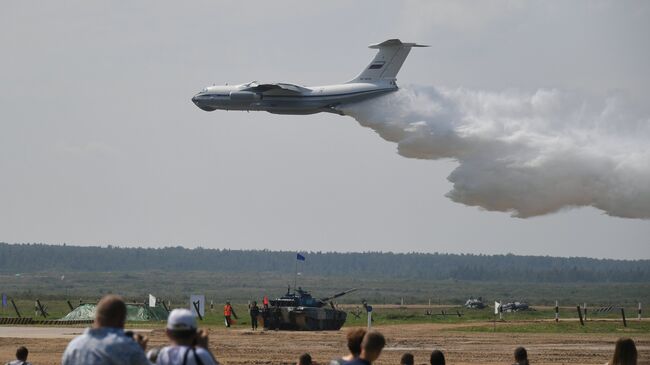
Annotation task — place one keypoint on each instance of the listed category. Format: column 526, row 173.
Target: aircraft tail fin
column 387, row 62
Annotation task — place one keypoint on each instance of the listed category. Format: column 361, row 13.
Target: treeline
column 23, row 258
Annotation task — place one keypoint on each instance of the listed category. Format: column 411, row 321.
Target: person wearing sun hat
column 189, row 345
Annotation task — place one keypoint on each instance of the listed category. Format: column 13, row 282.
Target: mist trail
column 525, row 153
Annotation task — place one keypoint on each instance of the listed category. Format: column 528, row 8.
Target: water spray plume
column 525, row 153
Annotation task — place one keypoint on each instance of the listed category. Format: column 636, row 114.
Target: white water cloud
column 525, row 153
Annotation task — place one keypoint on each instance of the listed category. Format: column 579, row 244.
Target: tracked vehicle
column 299, row 311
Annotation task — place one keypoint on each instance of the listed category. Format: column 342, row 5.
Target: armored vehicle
column 475, row 303
column 299, row 311
column 515, row 307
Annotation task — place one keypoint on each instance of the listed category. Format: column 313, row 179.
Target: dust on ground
column 239, row 346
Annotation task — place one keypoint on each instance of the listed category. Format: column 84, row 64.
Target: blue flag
column 4, row 300
column 300, row 257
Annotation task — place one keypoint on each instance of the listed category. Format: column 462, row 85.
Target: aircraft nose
column 203, row 104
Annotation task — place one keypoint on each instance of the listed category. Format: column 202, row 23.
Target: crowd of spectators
column 106, row 343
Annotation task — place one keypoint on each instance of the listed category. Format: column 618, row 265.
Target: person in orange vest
column 265, row 312
column 228, row 313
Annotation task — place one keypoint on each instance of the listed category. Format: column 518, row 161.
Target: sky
column 100, row 143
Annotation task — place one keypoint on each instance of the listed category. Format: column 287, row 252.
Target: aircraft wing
column 276, row 88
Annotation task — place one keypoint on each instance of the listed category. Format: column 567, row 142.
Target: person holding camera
column 107, row 342
column 189, row 346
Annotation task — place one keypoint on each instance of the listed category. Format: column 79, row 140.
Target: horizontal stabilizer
column 396, row 42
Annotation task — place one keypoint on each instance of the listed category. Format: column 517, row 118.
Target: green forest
column 38, row 257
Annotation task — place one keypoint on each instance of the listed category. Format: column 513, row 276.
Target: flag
column 4, row 300
column 497, row 307
column 152, row 301
column 300, row 257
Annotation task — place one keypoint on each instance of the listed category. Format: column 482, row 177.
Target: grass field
column 241, row 288
column 538, row 320
column 420, row 296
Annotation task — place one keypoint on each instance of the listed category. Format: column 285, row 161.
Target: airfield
column 416, row 314
column 464, row 340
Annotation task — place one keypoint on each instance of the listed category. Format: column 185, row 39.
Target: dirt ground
column 237, row 346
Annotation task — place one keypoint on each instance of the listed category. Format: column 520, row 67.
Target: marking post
column 15, row 308
column 582, row 322
column 197, row 306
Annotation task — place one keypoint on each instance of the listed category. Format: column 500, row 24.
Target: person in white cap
column 189, row 346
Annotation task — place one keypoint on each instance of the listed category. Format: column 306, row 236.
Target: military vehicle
column 299, row 311
column 515, row 307
column 475, row 303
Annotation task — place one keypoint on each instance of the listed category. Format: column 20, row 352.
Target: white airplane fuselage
column 309, row 100
column 375, row 80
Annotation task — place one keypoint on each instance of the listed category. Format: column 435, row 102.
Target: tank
column 299, row 311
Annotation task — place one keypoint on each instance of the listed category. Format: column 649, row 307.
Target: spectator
column 305, row 359
column 254, row 312
column 189, row 346
column 407, row 359
column 228, row 313
column 521, row 356
column 437, row 358
column 21, row 357
column 624, row 353
column 354, row 337
column 371, row 346
column 106, row 342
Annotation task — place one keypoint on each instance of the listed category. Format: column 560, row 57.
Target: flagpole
column 295, row 277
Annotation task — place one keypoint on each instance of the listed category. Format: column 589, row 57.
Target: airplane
column 377, row 79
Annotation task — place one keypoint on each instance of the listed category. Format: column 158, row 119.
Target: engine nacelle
column 244, row 96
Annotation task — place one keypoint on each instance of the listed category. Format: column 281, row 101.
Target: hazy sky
column 100, row 143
